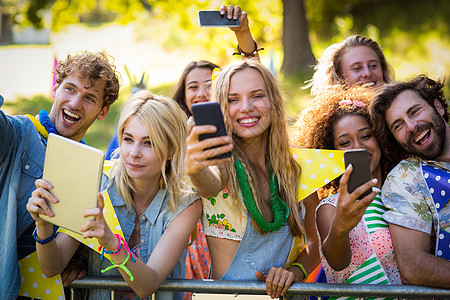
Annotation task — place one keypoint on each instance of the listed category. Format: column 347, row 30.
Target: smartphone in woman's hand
column 359, row 159
column 209, row 113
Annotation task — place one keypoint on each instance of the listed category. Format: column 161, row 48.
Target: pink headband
column 350, row 102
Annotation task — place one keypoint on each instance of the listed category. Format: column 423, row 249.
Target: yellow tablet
column 75, row 171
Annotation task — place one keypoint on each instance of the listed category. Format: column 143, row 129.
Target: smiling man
column 86, row 86
column 412, row 117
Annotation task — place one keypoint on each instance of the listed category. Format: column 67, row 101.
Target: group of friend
column 163, row 179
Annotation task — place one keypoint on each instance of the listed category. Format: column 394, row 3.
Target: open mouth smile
column 368, row 83
column 70, row 117
column 423, row 137
column 247, row 121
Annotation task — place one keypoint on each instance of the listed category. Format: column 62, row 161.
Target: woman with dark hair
column 194, row 84
column 352, row 232
column 194, row 87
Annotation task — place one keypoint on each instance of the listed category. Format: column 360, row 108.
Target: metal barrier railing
column 259, row 288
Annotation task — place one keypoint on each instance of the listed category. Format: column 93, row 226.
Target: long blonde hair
column 167, row 129
column 286, row 169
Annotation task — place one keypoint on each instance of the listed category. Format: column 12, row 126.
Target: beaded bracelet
column 115, row 252
column 47, row 240
column 248, row 54
column 301, row 268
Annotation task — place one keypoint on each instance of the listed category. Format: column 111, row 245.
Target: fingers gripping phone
column 213, row 18
column 209, row 113
column 359, row 159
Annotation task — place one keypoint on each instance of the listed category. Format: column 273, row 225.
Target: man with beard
column 86, row 86
column 411, row 118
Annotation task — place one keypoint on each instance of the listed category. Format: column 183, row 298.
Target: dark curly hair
column 314, row 126
column 95, row 66
column 426, row 88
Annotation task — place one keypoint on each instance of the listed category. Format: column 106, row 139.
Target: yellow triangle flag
column 35, row 284
column 319, row 166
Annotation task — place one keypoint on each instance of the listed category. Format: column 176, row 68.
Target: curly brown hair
column 95, row 66
column 314, row 126
column 425, row 87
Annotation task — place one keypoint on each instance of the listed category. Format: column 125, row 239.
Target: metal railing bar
column 259, row 288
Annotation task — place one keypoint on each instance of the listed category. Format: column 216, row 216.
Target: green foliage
column 175, row 24
column 28, row 106
column 414, row 36
column 416, row 16
column 34, row 12
column 296, row 97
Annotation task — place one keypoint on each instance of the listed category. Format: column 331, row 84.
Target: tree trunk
column 298, row 56
column 5, row 29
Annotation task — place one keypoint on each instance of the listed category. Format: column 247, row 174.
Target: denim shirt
column 22, row 154
column 154, row 221
column 259, row 252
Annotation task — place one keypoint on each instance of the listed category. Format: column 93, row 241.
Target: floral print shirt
column 407, row 195
column 221, row 218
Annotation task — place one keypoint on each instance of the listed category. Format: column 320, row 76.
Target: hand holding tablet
column 75, row 172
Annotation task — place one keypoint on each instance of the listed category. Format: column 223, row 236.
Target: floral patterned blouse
column 221, row 218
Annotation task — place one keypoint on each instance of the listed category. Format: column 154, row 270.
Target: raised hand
column 335, row 223
column 235, row 12
column 98, row 228
column 196, row 159
column 349, row 210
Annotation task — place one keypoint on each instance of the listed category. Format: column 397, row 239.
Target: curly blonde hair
column 95, row 66
column 285, row 168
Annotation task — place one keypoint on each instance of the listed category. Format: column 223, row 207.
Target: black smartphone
column 359, row 159
column 213, row 18
column 209, row 113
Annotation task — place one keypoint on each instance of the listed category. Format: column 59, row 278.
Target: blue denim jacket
column 154, row 221
column 22, row 154
column 259, row 252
